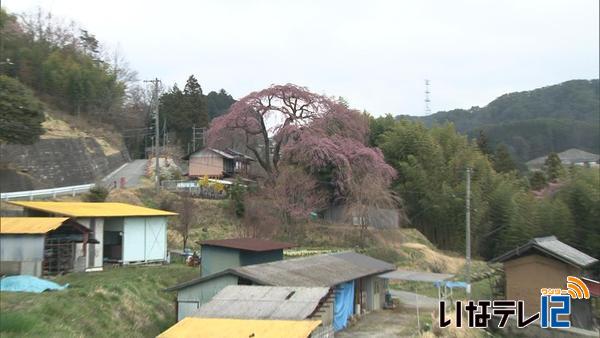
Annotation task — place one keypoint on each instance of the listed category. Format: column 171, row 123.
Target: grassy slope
column 118, row 302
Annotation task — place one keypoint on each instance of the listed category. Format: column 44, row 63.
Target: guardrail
column 31, row 194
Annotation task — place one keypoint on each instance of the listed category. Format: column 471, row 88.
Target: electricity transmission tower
column 427, row 100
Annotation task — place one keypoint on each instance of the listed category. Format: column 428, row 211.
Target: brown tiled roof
column 250, row 244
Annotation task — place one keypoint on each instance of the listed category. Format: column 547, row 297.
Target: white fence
column 31, row 194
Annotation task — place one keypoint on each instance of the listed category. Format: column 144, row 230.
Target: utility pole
column 165, row 135
column 193, row 138
column 156, row 81
column 468, row 236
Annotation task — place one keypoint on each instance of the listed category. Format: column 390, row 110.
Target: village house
column 240, row 328
column 215, row 163
column 273, row 302
column 219, row 255
column 41, row 245
column 567, row 158
column 545, row 262
column 351, row 277
column 126, row 233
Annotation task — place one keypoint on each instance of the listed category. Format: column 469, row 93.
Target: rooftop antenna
column 427, row 100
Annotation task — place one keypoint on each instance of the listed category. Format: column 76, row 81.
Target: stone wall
column 51, row 163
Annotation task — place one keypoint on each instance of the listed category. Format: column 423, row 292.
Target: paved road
column 132, row 172
column 382, row 324
column 409, row 299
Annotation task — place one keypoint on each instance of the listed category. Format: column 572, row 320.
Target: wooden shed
column 127, row 233
column 216, row 163
column 41, row 245
column 545, row 262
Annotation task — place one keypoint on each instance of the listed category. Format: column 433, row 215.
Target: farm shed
column 41, row 245
column 240, row 328
column 127, row 233
column 352, row 277
column 219, row 255
column 545, row 262
column 273, row 302
column 217, row 163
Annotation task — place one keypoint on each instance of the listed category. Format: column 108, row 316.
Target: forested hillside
column 506, row 209
column 48, row 63
column 534, row 123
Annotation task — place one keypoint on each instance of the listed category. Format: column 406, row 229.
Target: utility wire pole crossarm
column 468, row 233
column 156, row 81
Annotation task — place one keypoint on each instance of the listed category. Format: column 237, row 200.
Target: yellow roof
column 29, row 225
column 193, row 327
column 93, row 209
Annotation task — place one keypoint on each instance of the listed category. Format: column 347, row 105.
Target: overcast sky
column 376, row 54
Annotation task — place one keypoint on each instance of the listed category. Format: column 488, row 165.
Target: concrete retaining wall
column 54, row 163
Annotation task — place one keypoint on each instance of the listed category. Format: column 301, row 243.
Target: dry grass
column 124, row 196
column 433, row 260
column 59, row 125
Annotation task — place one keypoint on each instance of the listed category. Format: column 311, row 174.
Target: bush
column 97, row 193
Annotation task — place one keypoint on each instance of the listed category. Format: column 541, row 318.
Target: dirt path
column 380, row 324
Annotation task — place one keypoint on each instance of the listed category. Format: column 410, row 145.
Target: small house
column 273, row 302
column 216, row 163
column 240, row 328
column 545, row 262
column 351, row 277
column 41, row 245
column 126, row 233
column 219, row 255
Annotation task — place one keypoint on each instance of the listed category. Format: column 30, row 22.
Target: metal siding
column 134, row 239
column 250, row 257
column 22, row 247
column 216, row 259
column 202, row 293
column 156, row 246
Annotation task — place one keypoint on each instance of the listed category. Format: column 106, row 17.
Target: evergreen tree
column 553, row 167
column 194, row 104
column 503, row 162
column 537, row 180
column 483, row 144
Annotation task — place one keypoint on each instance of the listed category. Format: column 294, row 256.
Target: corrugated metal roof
column 30, row 225
column 93, row 209
column 551, row 246
column 321, row 270
column 263, row 302
column 250, row 244
column 416, row 276
column 192, row 327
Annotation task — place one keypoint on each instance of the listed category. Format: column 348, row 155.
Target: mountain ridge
column 533, row 123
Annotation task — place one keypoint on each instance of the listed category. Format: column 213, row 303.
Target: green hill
column 534, row 123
